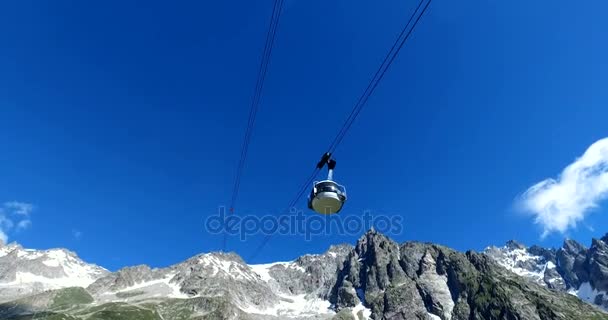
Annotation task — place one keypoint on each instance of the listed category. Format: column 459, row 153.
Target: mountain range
column 376, row 278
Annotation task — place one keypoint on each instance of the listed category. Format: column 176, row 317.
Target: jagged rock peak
column 549, row 253
column 598, row 243
column 573, row 246
column 339, row 248
column 597, row 265
column 512, row 244
column 222, row 255
column 339, row 251
column 370, row 269
column 373, row 241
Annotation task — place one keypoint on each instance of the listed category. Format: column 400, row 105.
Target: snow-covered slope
column 26, row 271
column 289, row 304
column 294, row 306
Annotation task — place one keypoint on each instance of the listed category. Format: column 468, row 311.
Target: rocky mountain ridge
column 27, row 271
column 573, row 268
column 375, row 279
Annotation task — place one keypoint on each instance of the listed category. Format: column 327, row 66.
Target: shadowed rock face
column 373, row 276
column 597, row 264
column 572, row 258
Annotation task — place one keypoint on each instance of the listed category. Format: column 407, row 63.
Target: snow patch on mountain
column 365, row 312
column 263, row 270
column 572, row 268
column 226, row 267
column 587, row 293
column 433, row 316
column 163, row 287
column 289, row 305
column 293, row 306
column 519, row 260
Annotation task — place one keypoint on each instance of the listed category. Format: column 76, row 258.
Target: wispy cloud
column 19, row 208
column 559, row 204
column 14, row 215
column 23, row 224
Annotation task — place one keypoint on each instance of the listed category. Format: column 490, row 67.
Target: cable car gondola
column 327, row 196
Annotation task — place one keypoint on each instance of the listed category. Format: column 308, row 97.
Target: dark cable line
column 386, row 63
column 256, row 97
column 255, row 102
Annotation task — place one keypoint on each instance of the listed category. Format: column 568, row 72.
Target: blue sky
column 122, row 122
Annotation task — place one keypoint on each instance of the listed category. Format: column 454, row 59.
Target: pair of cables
column 404, row 35
column 255, row 102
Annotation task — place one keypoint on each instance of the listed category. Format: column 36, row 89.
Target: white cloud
column 14, row 215
column 559, row 204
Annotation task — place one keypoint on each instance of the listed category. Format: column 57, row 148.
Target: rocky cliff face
column 573, row 268
column 375, row 279
column 426, row 281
